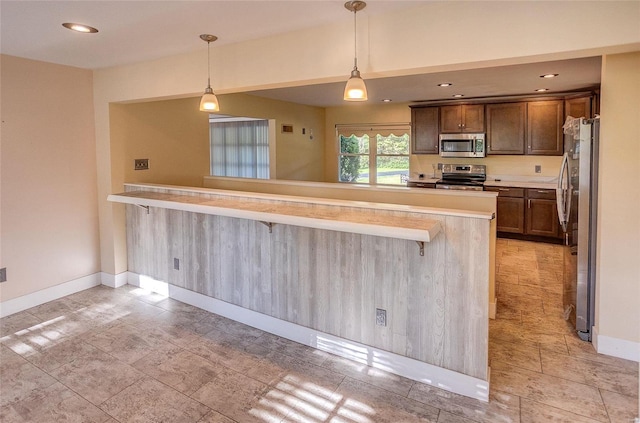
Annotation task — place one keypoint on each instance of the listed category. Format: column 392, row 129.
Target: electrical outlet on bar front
column 381, row 317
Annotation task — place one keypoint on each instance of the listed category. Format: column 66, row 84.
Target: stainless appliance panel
column 462, row 145
column 576, row 211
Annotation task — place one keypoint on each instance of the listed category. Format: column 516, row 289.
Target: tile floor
column 127, row 355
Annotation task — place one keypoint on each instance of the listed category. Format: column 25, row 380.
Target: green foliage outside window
column 349, row 165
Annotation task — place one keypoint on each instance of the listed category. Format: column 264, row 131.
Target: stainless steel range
column 462, row 177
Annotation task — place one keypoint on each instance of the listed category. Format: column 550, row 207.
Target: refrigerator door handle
column 561, row 192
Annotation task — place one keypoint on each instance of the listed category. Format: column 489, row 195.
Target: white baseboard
column 493, row 307
column 16, row 305
column 394, row 363
column 615, row 347
column 114, row 281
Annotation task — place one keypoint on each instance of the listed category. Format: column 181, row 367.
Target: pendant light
column 355, row 90
column 209, row 101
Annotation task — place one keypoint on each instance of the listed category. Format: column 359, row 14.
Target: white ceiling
column 135, row 31
column 575, row 74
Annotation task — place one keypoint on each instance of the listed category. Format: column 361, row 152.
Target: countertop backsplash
column 506, row 168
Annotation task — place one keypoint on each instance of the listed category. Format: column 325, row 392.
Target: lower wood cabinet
column 510, row 210
column 542, row 213
column 527, row 212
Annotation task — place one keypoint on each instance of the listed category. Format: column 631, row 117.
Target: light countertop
column 354, row 217
column 515, row 181
column 535, row 182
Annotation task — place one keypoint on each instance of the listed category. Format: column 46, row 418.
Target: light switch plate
column 3, row 274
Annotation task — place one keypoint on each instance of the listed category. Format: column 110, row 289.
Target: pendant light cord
column 209, row 64
column 355, row 41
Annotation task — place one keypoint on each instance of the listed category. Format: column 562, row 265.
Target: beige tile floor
column 127, row 355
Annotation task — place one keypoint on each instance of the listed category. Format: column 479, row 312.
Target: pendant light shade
column 209, row 101
column 355, row 90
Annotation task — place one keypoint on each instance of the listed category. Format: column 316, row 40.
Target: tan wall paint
column 174, row 136
column 618, row 262
column 496, row 165
column 49, row 217
column 297, row 156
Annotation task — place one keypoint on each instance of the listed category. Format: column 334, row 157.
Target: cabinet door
column 473, row 118
column 510, row 215
column 544, row 128
column 424, row 130
column 578, row 107
column 451, row 119
column 506, row 128
column 542, row 217
column 462, row 118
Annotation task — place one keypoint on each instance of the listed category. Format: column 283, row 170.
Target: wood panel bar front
column 333, row 281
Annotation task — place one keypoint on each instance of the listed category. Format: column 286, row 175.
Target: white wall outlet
column 381, row 317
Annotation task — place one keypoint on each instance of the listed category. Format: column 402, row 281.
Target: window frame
column 372, row 130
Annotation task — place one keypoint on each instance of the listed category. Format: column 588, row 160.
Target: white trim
column 493, row 307
column 616, row 347
column 24, row 302
column 384, row 360
column 113, row 281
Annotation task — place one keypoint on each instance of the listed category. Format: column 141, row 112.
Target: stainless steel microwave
column 462, row 145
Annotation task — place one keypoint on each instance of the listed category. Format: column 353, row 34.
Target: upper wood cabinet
column 578, row 107
column 544, row 128
column 462, row 118
column 506, row 127
column 424, row 130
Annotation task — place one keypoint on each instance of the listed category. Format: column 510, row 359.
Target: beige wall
column 297, row 155
column 174, row 136
column 618, row 262
column 49, row 217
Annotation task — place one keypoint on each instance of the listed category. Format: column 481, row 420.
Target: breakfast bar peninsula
column 403, row 288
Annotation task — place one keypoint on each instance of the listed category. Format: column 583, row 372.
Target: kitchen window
column 239, row 147
column 373, row 154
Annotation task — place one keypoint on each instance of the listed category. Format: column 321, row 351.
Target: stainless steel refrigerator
column 577, row 196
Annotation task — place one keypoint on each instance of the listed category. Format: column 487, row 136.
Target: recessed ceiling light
column 458, row 95
column 80, row 27
column 445, row 84
column 541, row 90
column 549, row 75
column 386, row 100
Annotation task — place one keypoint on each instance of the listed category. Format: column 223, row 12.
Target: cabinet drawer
column 421, row 185
column 546, row 194
column 507, row 191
